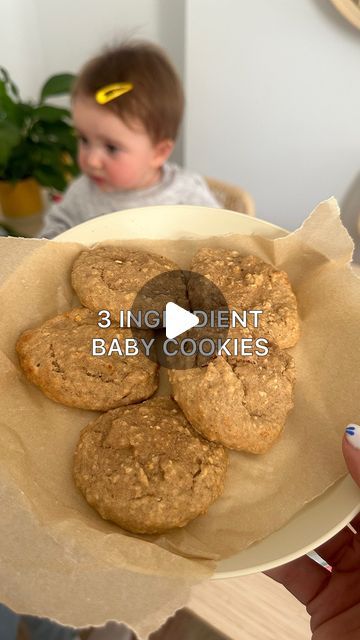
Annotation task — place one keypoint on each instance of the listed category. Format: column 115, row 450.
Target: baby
column 127, row 105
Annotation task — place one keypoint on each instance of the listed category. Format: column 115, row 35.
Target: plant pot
column 23, row 198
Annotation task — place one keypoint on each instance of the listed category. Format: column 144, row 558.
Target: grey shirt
column 83, row 200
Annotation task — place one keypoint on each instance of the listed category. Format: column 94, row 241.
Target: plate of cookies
column 218, row 440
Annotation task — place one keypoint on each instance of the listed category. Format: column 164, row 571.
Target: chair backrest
column 231, row 197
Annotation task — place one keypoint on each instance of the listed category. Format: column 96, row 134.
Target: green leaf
column 18, row 165
column 57, row 85
column 51, row 114
column 49, row 178
column 54, row 133
column 10, row 137
column 8, row 108
column 4, row 75
column 24, row 115
column 36, row 140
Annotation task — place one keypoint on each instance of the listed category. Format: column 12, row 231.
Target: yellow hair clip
column 112, row 91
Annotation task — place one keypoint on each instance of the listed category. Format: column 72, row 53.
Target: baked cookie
column 57, row 357
column 240, row 402
column 248, row 283
column 112, row 278
column 146, row 469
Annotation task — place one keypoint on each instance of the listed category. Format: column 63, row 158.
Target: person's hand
column 332, row 598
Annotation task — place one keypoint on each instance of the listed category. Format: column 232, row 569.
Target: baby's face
column 114, row 156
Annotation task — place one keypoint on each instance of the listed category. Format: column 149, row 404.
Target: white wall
column 40, row 37
column 273, row 100
column 71, row 31
column 20, row 49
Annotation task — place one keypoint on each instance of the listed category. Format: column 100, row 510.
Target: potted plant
column 38, row 145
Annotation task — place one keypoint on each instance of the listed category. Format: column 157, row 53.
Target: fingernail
column 353, row 435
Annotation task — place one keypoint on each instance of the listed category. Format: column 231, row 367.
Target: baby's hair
column 157, row 99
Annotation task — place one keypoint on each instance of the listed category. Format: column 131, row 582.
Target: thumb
column 351, row 450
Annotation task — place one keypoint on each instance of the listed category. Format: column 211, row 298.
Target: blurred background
column 272, row 87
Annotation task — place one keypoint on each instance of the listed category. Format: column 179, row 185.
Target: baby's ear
column 162, row 151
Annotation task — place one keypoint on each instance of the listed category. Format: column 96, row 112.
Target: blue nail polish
column 350, row 431
column 353, row 435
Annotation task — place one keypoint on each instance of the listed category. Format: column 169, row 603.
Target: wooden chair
column 231, row 197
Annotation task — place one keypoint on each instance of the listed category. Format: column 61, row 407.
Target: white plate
column 167, row 222
column 321, row 518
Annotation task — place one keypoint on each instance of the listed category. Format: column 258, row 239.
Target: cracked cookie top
column 111, row 278
column 57, row 357
column 241, row 402
column 248, row 283
column 145, row 468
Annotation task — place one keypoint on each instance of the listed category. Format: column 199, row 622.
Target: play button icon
column 170, row 334
column 178, row 320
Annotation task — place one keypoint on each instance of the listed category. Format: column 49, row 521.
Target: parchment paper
column 58, row 557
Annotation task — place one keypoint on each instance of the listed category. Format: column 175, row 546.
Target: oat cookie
column 146, row 469
column 240, row 402
column 111, row 278
column 249, row 283
column 57, row 357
